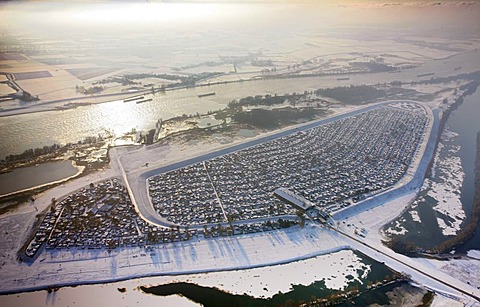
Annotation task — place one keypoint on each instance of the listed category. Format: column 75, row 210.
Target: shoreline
column 468, row 231
column 472, row 87
column 38, row 108
column 80, row 170
column 73, row 101
column 441, row 249
column 311, row 252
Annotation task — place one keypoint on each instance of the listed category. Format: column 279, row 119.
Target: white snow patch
column 447, row 194
column 448, row 135
column 398, row 229
column 474, row 254
column 442, row 301
column 415, row 216
column 466, row 270
column 446, row 230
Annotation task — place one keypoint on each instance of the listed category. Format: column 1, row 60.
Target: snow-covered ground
column 474, row 254
column 466, row 270
column 259, row 282
column 195, row 256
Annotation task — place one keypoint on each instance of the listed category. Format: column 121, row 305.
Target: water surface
column 29, row 177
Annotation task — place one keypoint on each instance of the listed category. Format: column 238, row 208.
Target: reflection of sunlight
column 118, row 117
column 142, row 12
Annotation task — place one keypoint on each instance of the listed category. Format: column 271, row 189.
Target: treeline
column 374, row 66
column 128, row 79
column 398, row 245
column 347, row 94
column 261, row 118
column 267, row 100
column 33, row 153
column 352, row 94
column 184, row 80
column 89, row 90
column 469, row 76
column 45, row 150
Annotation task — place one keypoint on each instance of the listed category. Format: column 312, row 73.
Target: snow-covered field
column 260, row 282
column 474, row 254
column 466, row 270
column 197, row 255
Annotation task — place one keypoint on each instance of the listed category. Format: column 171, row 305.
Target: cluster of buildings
column 259, row 188
column 102, row 216
column 333, row 165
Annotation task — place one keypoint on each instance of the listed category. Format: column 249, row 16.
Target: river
column 452, row 184
column 22, row 132
column 466, row 120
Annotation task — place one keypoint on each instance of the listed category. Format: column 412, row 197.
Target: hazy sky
column 94, row 17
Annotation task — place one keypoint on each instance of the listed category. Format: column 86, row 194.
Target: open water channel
column 21, row 132
column 426, row 233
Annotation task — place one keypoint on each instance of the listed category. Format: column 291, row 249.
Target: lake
column 29, row 177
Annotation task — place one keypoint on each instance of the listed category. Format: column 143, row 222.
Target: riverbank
column 469, row 89
column 438, row 213
column 469, row 229
column 71, row 103
column 27, row 178
column 86, row 157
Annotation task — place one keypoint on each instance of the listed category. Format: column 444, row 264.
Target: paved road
column 410, row 266
column 136, row 181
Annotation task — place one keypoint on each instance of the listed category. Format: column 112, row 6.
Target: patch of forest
column 261, row 118
column 352, row 94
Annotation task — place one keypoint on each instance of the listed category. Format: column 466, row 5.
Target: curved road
column 136, row 183
column 136, row 180
column 437, row 276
